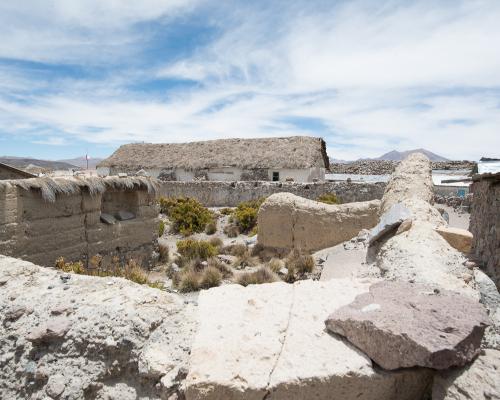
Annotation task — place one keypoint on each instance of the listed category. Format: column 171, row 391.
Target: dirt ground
column 344, row 263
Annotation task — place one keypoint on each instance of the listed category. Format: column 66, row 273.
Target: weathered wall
column 420, row 254
column 485, row 223
column 288, row 222
column 40, row 231
column 11, row 173
column 230, row 194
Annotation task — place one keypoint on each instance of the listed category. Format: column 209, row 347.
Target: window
column 276, row 176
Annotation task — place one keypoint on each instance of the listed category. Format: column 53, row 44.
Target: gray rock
column 491, row 299
column 55, row 385
column 390, row 221
column 478, row 381
column 109, row 341
column 124, row 215
column 108, row 219
column 402, row 325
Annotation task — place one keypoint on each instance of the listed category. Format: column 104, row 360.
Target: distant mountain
column 82, row 162
column 24, row 163
column 401, row 155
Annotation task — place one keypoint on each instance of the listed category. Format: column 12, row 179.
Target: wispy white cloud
column 377, row 76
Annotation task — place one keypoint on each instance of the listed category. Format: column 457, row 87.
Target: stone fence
column 230, row 194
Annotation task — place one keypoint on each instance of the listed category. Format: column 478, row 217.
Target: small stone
column 55, row 385
column 50, row 287
column 466, row 277
column 460, row 239
column 53, row 329
column 404, row 227
column 283, row 271
column 204, row 264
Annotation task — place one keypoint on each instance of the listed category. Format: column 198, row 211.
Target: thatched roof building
column 280, row 152
column 291, row 153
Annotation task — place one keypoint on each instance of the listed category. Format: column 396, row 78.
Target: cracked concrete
column 269, row 342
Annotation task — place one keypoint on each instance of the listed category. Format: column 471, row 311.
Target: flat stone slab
column 390, row 221
column 269, row 341
column 124, row 215
column 479, row 381
column 460, row 239
column 402, row 325
column 108, row 219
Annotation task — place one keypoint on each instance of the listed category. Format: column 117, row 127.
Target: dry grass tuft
column 262, row 275
column 164, row 252
column 189, row 280
column 222, row 267
column 210, row 277
column 275, row 264
column 301, row 263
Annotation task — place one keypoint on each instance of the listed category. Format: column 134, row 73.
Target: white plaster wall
column 183, row 175
column 299, row 175
column 225, row 174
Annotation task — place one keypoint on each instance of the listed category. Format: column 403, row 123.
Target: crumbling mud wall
column 230, row 194
column 485, row 223
column 43, row 219
column 419, row 254
column 286, row 222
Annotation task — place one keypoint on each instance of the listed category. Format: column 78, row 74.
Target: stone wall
column 40, row 231
column 485, row 223
column 288, row 222
column 7, row 172
column 230, row 194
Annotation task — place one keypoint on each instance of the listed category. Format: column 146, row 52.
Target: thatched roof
column 281, row 152
column 51, row 187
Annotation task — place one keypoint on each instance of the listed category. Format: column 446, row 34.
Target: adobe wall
column 40, row 231
column 287, row 222
column 485, row 223
column 230, row 194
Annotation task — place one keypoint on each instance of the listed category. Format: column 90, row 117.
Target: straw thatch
column 297, row 152
column 51, row 187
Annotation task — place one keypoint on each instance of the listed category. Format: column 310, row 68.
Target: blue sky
column 369, row 77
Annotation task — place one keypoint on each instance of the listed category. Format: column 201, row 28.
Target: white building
column 298, row 158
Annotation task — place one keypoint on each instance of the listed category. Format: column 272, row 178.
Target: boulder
column 460, row 239
column 401, row 325
column 478, row 381
column 89, row 337
column 269, row 341
column 390, row 221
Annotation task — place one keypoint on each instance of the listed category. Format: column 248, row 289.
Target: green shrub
column 262, row 275
column 211, row 228
column 226, row 211
column 157, row 285
column 245, row 215
column 210, row 277
column 189, row 280
column 191, row 249
column 161, row 228
column 329, row 198
column 188, row 215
